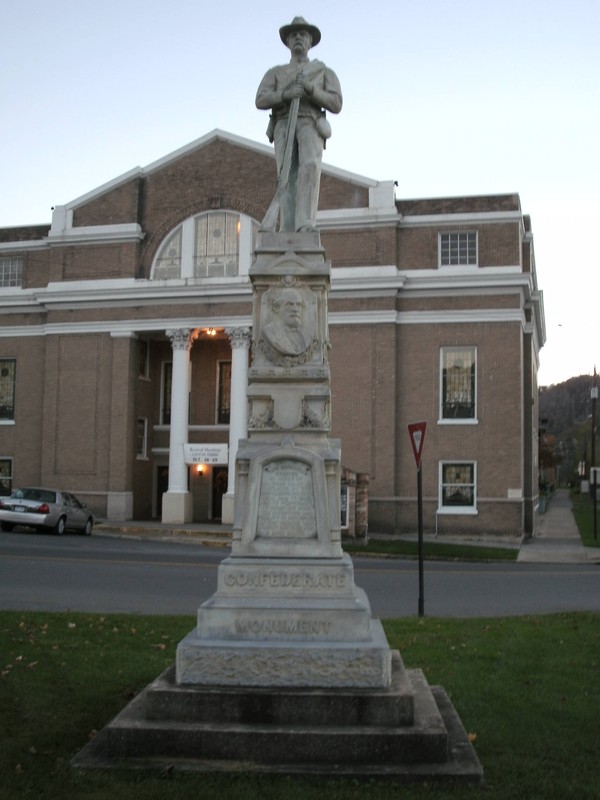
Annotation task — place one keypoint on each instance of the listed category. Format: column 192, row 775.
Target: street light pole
column 593, row 471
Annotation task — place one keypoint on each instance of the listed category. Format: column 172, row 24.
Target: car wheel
column 7, row 526
column 60, row 526
column 87, row 531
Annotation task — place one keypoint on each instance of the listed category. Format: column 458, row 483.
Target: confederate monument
column 286, row 669
column 287, row 611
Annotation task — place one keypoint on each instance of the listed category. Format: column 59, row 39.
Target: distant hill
column 565, row 419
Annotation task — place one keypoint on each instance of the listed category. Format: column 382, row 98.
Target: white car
column 45, row 509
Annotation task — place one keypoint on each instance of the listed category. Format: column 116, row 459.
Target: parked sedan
column 45, row 509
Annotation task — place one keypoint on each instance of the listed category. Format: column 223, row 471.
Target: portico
column 177, row 501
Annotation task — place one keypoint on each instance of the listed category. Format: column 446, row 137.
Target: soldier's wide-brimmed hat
column 300, row 24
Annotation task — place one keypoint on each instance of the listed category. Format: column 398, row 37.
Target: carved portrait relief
column 289, row 323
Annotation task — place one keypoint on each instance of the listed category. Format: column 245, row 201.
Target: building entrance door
column 219, row 487
column 162, row 485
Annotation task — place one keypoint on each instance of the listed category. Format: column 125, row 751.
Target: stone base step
column 434, row 746
column 165, row 699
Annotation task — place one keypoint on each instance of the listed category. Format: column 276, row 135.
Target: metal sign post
column 593, row 470
column 416, row 431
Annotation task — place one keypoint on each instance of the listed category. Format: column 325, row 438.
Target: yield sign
column 416, row 431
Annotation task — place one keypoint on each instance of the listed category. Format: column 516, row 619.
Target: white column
column 238, row 420
column 177, row 501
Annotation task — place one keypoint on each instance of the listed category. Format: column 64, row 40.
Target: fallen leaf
column 472, row 737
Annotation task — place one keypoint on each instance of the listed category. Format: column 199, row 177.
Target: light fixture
column 210, row 331
column 199, row 469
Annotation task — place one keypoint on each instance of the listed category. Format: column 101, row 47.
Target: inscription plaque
column 283, row 627
column 286, row 505
column 279, row 579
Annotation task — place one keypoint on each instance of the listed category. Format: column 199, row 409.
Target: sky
column 446, row 97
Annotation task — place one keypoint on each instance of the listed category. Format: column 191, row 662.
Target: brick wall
column 79, row 397
column 459, row 205
column 363, row 384
column 21, row 440
column 495, row 443
column 117, row 206
column 499, row 244
column 361, row 248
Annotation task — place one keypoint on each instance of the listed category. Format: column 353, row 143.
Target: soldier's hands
column 308, row 87
column 295, row 89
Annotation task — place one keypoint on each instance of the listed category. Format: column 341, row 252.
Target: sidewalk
column 210, row 534
column 557, row 539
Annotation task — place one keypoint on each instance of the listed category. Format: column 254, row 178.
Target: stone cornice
column 382, row 281
column 473, row 218
column 125, row 328
column 97, row 234
column 349, row 218
column 372, row 281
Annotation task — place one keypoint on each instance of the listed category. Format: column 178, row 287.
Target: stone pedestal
column 286, row 622
column 286, row 670
column 409, row 732
column 287, row 611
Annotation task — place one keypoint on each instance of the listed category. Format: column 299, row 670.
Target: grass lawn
column 583, row 511
column 525, row 688
column 433, row 550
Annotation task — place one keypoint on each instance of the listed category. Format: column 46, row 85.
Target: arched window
column 216, row 244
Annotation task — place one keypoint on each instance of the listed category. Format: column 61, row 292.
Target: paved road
column 41, row 572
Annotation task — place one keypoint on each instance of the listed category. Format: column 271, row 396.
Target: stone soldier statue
column 298, row 94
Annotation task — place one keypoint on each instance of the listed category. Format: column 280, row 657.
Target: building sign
column 205, row 453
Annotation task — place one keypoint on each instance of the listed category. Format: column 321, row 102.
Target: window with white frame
column 167, row 263
column 8, row 369
column 215, row 244
column 11, row 271
column 458, row 486
column 5, row 476
column 458, row 383
column 458, row 249
column 141, row 438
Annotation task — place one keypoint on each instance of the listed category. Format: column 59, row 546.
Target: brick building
column 125, row 327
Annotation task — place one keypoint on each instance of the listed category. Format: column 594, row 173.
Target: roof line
column 202, row 141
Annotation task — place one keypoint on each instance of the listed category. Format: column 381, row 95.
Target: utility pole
column 593, row 471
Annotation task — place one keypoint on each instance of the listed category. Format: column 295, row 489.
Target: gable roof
column 203, row 141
